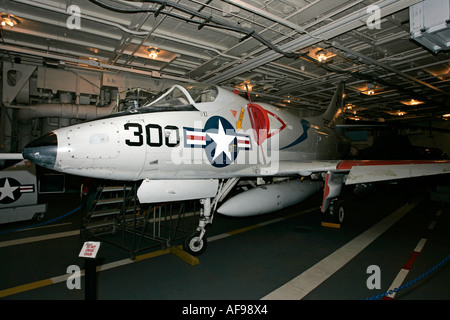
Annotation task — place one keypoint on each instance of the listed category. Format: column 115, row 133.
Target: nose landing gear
column 196, row 243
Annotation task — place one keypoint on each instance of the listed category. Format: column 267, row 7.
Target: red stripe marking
column 326, row 192
column 348, row 164
column 411, row 260
column 190, row 137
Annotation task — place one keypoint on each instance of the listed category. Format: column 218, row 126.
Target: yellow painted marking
column 151, row 255
column 25, row 287
column 243, row 230
column 174, row 250
column 183, row 255
column 331, row 225
column 239, row 123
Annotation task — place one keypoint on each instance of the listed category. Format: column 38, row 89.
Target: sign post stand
column 89, row 252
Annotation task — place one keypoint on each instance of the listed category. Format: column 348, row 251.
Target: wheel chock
column 331, row 225
column 183, row 255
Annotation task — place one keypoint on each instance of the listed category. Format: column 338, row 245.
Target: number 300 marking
column 154, row 135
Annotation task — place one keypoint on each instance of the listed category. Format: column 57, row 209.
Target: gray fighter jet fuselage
column 196, row 141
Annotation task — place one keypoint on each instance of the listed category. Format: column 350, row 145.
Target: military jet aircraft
column 198, row 141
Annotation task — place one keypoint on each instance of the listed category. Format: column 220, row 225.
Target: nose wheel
column 195, row 244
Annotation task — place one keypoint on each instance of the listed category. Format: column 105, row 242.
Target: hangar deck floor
column 249, row 258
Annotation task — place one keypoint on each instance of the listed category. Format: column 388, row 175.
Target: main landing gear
column 335, row 213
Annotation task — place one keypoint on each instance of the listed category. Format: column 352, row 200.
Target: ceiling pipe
column 85, row 16
column 267, row 15
column 62, row 110
column 86, row 62
column 331, row 30
column 286, row 22
column 208, row 20
column 121, row 27
column 356, row 54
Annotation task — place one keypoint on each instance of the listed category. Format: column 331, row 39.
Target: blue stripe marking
column 305, row 125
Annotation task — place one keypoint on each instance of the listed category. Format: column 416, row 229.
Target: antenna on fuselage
column 248, row 93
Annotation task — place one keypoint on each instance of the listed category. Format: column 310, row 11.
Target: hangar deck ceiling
column 272, row 45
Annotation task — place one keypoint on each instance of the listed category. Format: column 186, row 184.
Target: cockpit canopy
column 183, row 95
column 203, row 97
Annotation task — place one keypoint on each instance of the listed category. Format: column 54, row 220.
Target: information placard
column 89, row 250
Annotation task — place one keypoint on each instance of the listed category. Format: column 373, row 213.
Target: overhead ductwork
column 63, row 112
column 429, row 24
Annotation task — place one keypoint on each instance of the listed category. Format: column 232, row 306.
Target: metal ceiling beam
column 91, row 16
column 86, row 62
column 386, row 67
column 331, row 30
column 267, row 15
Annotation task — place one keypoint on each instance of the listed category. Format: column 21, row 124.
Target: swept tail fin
column 335, row 112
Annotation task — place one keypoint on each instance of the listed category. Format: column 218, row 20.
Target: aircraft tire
column 335, row 214
column 38, row 217
column 340, row 214
column 193, row 246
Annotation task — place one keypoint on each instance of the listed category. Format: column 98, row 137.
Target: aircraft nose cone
column 42, row 151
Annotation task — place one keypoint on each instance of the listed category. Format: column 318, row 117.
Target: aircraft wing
column 364, row 171
column 349, row 172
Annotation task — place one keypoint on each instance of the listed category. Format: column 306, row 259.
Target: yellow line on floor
column 243, row 230
column 177, row 251
column 25, row 287
column 151, row 255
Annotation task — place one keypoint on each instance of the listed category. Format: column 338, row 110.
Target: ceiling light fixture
column 321, row 55
column 245, row 86
column 153, row 53
column 8, row 20
column 412, row 102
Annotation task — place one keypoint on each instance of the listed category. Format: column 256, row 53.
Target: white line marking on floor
column 39, row 238
column 303, row 284
column 401, row 276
